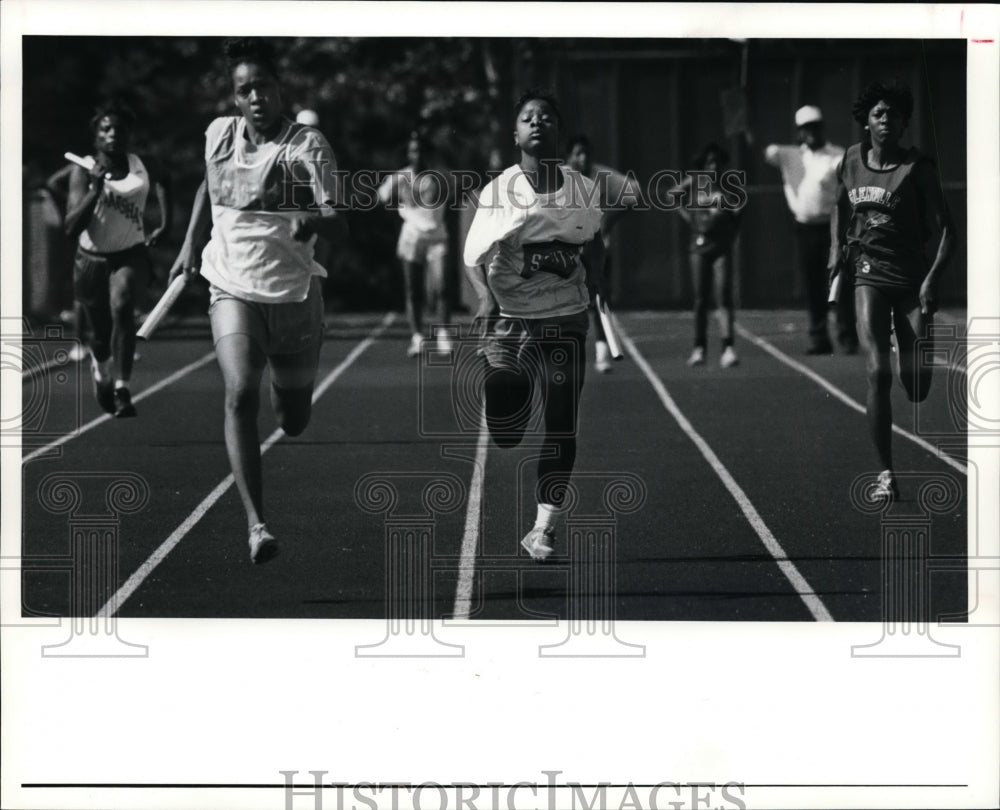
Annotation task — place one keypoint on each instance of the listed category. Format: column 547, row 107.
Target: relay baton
column 84, row 162
column 834, row 289
column 610, row 333
column 158, row 312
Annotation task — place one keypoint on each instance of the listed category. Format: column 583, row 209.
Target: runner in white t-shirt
column 536, row 224
column 270, row 189
column 104, row 211
column 421, row 196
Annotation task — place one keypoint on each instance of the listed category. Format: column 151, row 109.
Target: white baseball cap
column 807, row 115
column 307, row 117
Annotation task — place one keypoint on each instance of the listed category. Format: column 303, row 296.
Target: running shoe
column 415, row 343
column 729, row 358
column 539, row 542
column 104, row 392
column 697, row 357
column 885, row 488
column 123, row 400
column 602, row 363
column 263, row 546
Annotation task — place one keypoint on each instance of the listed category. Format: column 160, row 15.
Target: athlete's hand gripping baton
column 158, row 312
column 84, row 162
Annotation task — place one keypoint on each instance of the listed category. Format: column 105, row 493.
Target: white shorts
column 413, row 247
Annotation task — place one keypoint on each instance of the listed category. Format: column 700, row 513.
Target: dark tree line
column 370, row 93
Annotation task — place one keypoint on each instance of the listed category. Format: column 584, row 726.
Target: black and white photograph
column 500, row 405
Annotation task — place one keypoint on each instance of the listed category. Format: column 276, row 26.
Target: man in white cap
column 809, row 175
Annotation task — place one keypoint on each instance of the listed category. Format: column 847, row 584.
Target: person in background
column 713, row 230
column 618, row 194
column 57, row 186
column 809, row 175
column 421, row 196
column 104, row 211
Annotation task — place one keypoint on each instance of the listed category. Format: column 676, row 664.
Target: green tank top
column 887, row 228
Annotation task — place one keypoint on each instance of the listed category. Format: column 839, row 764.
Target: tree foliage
column 370, row 93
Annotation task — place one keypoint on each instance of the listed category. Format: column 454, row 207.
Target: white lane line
column 470, row 538
column 172, row 378
column 848, row 401
column 114, row 604
column 799, row 583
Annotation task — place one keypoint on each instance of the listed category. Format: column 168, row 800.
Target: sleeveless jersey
column 713, row 227
column 536, row 271
column 887, row 228
column 256, row 190
column 116, row 223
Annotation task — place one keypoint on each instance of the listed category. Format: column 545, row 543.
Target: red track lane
column 687, row 553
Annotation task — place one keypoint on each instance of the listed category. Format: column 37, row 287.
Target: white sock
column 548, row 516
column 121, row 383
column 102, row 370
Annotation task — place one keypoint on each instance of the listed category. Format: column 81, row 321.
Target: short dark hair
column 112, row 106
column 537, row 94
column 897, row 95
column 245, row 49
column 701, row 158
column 578, row 140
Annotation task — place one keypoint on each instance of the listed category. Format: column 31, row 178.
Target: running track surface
column 733, row 498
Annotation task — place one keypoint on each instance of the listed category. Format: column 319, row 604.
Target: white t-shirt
column 116, row 223
column 422, row 198
column 809, row 177
column 256, row 190
column 537, row 270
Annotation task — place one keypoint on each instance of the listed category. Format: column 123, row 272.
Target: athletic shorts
column 412, row 247
column 91, row 271
column 892, row 279
column 276, row 328
column 507, row 344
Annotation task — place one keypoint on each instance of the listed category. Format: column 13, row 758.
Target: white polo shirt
column 809, row 177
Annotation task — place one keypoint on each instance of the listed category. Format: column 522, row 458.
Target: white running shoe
column 415, row 343
column 697, row 357
column 263, row 546
column 885, row 488
column 729, row 358
column 444, row 342
column 602, row 362
column 539, row 542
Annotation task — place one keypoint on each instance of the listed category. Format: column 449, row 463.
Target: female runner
column 104, row 211
column 270, row 188
column 893, row 199
column 539, row 221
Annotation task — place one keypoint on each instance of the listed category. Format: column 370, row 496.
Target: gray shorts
column 277, row 328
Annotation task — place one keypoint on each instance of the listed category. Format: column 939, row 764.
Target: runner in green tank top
column 889, row 202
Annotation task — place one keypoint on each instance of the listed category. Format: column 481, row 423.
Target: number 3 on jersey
column 556, row 257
